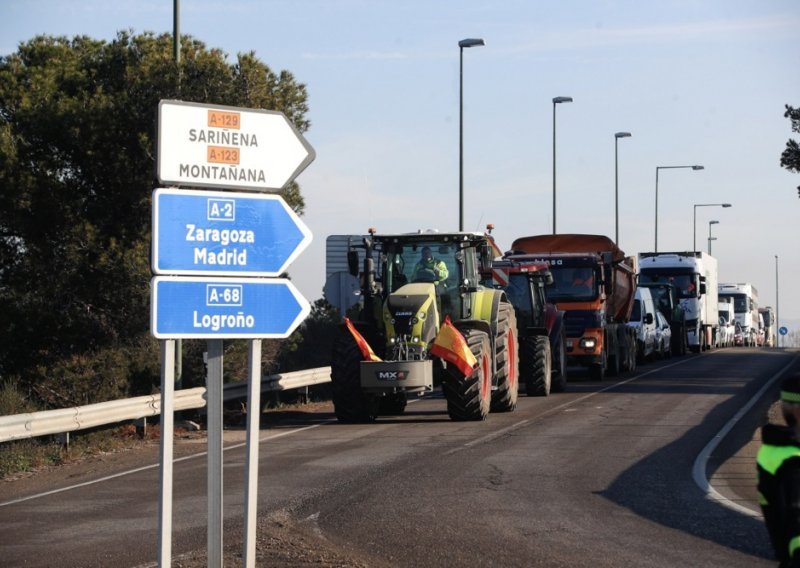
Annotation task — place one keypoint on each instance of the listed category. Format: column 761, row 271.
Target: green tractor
column 425, row 321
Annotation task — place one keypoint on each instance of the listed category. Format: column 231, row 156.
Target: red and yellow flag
column 366, row 350
column 451, row 346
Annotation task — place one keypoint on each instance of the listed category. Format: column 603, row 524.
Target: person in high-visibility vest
column 430, row 269
column 778, row 465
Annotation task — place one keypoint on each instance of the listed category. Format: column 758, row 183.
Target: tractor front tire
column 536, row 365
column 350, row 403
column 470, row 397
column 504, row 398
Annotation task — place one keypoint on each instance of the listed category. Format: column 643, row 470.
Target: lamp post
column 556, row 100
column 617, row 136
column 777, row 307
column 694, row 225
column 666, row 168
column 473, row 42
column 710, row 238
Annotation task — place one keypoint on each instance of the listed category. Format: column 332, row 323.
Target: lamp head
column 562, row 100
column 727, row 205
column 471, row 42
column 698, row 168
column 622, row 135
column 713, row 222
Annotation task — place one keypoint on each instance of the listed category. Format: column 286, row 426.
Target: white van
column 643, row 320
column 727, row 323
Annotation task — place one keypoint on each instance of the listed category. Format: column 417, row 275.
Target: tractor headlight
column 588, row 343
column 415, row 339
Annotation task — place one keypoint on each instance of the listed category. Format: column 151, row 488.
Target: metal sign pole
column 251, row 467
column 167, row 426
column 214, row 391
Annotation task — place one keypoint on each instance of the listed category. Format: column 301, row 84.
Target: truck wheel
column 350, row 403
column 535, row 363
column 504, row 398
column 470, row 397
column 615, row 363
column 597, row 371
column 559, row 366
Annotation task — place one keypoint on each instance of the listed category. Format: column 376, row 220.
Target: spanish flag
column 366, row 350
column 451, row 346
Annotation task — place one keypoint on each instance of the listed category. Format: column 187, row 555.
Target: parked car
column 663, row 336
column 643, row 320
column 738, row 335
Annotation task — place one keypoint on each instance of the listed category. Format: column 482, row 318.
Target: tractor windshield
column 422, row 262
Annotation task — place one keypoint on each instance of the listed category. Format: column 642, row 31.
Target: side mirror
column 352, row 262
column 648, row 319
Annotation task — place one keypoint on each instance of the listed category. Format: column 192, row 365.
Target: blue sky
column 695, row 82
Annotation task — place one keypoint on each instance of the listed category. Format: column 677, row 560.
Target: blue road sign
column 783, row 330
column 225, row 308
column 223, row 233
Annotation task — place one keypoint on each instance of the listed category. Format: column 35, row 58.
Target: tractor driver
column 430, row 269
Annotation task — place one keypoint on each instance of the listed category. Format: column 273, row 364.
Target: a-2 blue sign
column 224, row 233
column 225, row 308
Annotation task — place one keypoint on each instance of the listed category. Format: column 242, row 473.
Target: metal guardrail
column 32, row 424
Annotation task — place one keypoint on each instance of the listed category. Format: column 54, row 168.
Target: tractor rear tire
column 504, row 398
column 536, row 365
column 470, row 397
column 350, row 403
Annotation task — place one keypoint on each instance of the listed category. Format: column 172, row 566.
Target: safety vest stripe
column 794, row 544
column 772, row 457
column 790, row 396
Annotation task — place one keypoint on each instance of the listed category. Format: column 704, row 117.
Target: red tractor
column 540, row 326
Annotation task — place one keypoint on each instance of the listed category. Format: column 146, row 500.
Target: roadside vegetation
column 78, row 129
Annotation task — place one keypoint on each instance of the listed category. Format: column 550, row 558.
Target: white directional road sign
column 202, row 145
column 225, row 308
column 224, row 233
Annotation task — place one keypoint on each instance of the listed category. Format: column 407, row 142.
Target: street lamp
column 694, row 225
column 617, row 136
column 666, row 168
column 556, row 100
column 777, row 307
column 710, row 238
column 474, row 42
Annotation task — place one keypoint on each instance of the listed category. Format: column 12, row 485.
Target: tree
column 78, row 122
column 790, row 158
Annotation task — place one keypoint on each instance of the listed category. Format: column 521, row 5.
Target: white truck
column 695, row 276
column 770, row 326
column 745, row 307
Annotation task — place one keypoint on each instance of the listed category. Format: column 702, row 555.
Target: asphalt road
column 601, row 475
